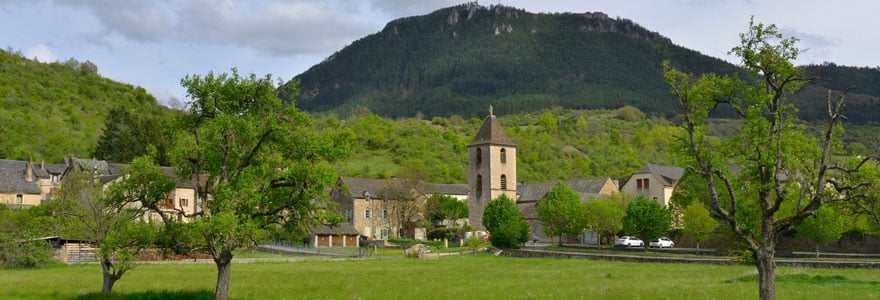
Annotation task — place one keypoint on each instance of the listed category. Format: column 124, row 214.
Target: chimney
column 29, row 170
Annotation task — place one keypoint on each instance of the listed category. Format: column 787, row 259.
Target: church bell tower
column 491, row 169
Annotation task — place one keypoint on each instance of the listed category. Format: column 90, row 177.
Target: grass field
column 456, row 277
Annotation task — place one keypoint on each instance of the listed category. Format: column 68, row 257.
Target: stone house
column 20, row 184
column 379, row 209
column 655, row 182
column 587, row 188
column 25, row 184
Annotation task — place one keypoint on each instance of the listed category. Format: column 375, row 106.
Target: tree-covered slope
column 460, row 59
column 552, row 144
column 50, row 111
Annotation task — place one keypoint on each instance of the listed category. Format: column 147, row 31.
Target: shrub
column 474, row 243
column 28, row 254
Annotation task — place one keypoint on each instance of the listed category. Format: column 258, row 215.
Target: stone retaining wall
column 532, row 253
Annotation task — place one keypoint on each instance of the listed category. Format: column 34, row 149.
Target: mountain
column 53, row 110
column 461, row 59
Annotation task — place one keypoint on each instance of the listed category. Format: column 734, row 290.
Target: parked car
column 663, row 242
column 630, row 241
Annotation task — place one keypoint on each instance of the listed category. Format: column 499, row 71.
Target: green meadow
column 479, row 276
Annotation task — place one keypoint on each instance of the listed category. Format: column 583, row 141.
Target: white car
column 663, row 242
column 630, row 241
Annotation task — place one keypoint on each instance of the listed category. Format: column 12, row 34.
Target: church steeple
column 491, row 168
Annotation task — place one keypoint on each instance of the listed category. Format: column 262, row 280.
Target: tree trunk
column 224, row 266
column 766, row 273
column 817, row 250
column 109, row 277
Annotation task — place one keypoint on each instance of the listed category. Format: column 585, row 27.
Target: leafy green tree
column 548, row 122
column 261, row 160
column 629, row 113
column 646, row 219
column 561, row 212
column 127, row 135
column 826, row 226
column 783, row 174
column 506, row 224
column 107, row 223
column 441, row 207
column 868, row 202
column 698, row 223
column 145, row 187
column 605, row 217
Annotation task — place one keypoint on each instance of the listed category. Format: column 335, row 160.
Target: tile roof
column 339, row 229
column 99, row 166
column 357, row 186
column 668, row 174
column 446, row 189
column 491, row 133
column 377, row 187
column 585, row 187
column 12, row 178
column 178, row 182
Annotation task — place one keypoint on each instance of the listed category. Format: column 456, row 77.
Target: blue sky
column 155, row 43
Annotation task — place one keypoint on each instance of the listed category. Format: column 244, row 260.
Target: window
column 184, row 202
column 479, row 186
column 503, row 182
column 479, row 156
column 19, row 199
column 503, row 155
column 167, row 203
column 55, row 178
column 368, row 214
column 642, row 184
column 384, row 214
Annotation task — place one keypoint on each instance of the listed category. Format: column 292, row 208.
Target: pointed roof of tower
column 491, row 133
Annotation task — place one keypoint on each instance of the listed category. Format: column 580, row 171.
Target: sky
column 155, row 43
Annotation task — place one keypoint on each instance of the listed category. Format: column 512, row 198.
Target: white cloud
column 292, row 28
column 41, row 53
column 144, row 21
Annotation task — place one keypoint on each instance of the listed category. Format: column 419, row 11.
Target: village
column 374, row 209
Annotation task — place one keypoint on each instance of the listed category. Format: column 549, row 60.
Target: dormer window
column 643, row 184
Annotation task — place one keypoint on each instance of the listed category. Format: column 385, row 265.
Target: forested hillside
column 50, row 111
column 553, row 144
column 466, row 56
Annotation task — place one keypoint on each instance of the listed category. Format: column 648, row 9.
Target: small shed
column 72, row 251
column 341, row 235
